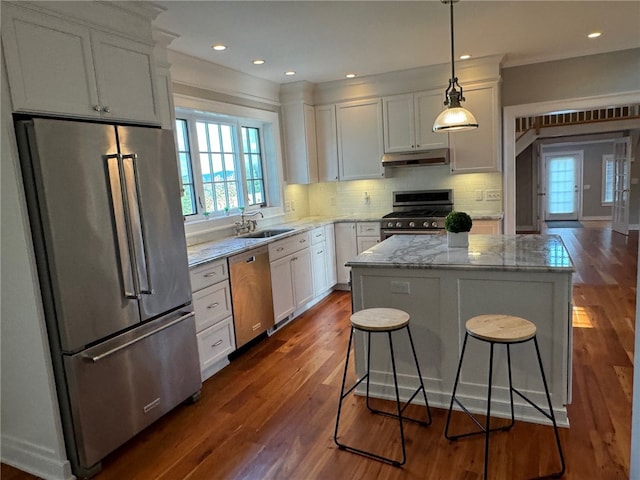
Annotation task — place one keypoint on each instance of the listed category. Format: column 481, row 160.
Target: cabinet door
column 302, row 278
column 329, row 235
column 477, row 150
column 300, row 143
column 319, row 268
column 125, row 74
column 365, row 243
column 428, row 106
column 398, row 120
column 282, row 288
column 327, row 143
column 360, row 139
column 346, row 249
column 49, row 63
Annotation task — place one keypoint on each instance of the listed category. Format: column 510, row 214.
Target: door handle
column 250, row 259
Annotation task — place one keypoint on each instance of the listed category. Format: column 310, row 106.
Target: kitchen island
column 441, row 288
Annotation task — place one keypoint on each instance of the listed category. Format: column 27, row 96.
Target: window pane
column 218, row 170
column 201, row 133
column 234, row 201
column 227, row 138
column 208, row 198
column 186, row 173
column 230, row 167
column 561, row 185
column 214, row 137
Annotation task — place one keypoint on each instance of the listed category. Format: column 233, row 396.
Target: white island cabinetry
column 62, row 67
column 441, row 288
column 214, row 319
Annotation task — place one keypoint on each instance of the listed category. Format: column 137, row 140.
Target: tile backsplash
column 479, row 193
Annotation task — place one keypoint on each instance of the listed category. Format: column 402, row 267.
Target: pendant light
column 454, row 118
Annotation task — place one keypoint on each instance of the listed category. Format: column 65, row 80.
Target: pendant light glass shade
column 454, row 118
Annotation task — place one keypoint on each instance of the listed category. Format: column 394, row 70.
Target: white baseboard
column 34, row 459
column 605, row 218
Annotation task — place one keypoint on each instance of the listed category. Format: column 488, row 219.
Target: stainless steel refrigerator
column 106, row 221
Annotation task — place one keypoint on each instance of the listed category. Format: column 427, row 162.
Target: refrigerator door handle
column 120, row 219
column 136, row 221
column 133, row 341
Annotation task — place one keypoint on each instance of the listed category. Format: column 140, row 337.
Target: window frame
column 607, row 158
column 192, row 116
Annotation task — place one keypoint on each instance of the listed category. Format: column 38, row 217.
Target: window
column 221, row 163
column 608, row 176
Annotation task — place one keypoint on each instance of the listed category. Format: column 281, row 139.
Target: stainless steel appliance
column 250, row 275
column 417, row 212
column 106, row 222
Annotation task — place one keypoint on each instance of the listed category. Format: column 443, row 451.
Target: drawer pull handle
column 303, row 240
column 150, row 406
column 280, row 249
column 211, row 274
column 256, row 326
column 219, row 342
column 320, row 252
column 213, row 305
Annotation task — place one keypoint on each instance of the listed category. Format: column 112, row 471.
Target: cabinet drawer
column 317, row 235
column 214, row 343
column 208, row 274
column 369, row 229
column 288, row 246
column 211, row 305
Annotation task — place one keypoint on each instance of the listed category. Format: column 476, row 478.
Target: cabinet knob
column 97, row 108
column 106, row 110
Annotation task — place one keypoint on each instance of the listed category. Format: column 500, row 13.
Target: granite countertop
column 209, row 251
column 529, row 253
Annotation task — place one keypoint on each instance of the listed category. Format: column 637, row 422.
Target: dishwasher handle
column 250, row 259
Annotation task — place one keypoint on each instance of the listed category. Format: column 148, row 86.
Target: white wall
column 31, row 431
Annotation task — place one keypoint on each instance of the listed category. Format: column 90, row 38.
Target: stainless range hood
column 430, row 157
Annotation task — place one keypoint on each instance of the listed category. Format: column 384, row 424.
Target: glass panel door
column 562, row 182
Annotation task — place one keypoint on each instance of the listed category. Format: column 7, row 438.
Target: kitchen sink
column 268, row 233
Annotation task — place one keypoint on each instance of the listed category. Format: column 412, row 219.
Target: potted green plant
column 458, row 224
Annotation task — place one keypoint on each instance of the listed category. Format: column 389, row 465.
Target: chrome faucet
column 247, row 226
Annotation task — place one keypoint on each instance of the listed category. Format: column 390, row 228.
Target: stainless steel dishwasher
column 251, row 294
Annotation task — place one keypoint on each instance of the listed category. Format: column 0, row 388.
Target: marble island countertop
column 485, row 252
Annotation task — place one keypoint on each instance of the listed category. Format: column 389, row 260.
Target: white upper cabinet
column 60, row 67
column 327, row 143
column 478, row 150
column 360, row 146
column 408, row 121
column 300, row 142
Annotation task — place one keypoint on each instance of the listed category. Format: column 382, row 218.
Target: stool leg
column 552, row 416
column 487, row 430
column 342, row 394
column 395, row 383
column 368, row 370
column 424, row 392
column 455, row 387
column 513, row 419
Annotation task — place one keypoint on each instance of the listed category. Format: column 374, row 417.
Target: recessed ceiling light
column 219, row 47
column 290, row 72
column 258, row 61
column 594, row 34
column 465, row 57
column 350, row 75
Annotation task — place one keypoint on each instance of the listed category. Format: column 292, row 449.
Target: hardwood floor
column 271, row 413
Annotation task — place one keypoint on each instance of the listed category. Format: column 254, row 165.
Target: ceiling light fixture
column 219, row 47
column 290, row 72
column 350, row 75
column 258, row 61
column 454, row 118
column 594, row 34
column 465, row 57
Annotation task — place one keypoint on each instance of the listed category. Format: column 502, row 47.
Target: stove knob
column 390, row 224
column 398, row 224
column 412, row 224
column 434, row 224
column 425, row 224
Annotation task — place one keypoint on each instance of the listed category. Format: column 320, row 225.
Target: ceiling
column 324, row 40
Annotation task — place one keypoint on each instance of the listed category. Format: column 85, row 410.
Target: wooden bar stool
column 502, row 330
column 381, row 320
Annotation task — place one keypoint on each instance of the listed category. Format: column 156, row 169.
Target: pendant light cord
column 453, row 69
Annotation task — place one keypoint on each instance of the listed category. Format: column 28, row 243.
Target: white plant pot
column 458, row 240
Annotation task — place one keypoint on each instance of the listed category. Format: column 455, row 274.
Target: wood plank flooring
column 271, row 413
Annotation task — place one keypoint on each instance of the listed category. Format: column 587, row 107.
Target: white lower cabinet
column 367, row 234
column 346, row 249
column 330, row 240
column 214, row 315
column 291, row 278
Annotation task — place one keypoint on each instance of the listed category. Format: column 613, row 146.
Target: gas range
column 417, row 212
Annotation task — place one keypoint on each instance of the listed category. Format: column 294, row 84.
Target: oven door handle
column 386, row 233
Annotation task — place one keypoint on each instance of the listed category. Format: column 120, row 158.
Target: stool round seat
column 380, row 319
column 501, row 328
